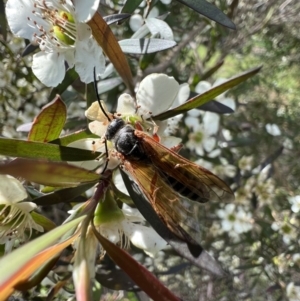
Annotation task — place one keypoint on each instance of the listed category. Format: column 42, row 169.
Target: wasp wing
column 191, row 251
column 179, row 213
column 194, row 181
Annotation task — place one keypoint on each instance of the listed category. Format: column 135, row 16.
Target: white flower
column 273, row 129
column 58, row 26
column 16, row 223
column 295, row 202
column 285, row 229
column 235, row 221
column 293, row 292
column 245, row 163
column 121, row 226
column 202, row 138
column 129, row 227
column 156, row 94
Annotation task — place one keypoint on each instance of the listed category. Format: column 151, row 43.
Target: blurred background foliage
column 259, row 143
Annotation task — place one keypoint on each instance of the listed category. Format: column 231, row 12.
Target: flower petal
column 88, row 55
column 146, row 239
column 159, row 27
column 202, row 87
column 98, row 128
column 156, row 93
column 85, row 10
column 135, row 22
column 227, row 101
column 27, row 206
column 126, row 105
column 49, row 68
column 11, row 190
column 17, row 14
column 94, row 112
column 211, row 123
column 182, row 95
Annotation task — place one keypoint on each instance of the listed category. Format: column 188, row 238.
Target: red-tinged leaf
column 81, row 273
column 19, row 265
column 39, row 150
column 49, row 173
column 138, row 273
column 49, row 123
column 106, row 39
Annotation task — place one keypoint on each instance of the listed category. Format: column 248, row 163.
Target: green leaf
column 49, row 173
column 66, row 140
column 42, row 220
column 50, row 121
column 39, row 150
column 130, row 6
column 3, row 20
column 210, row 11
column 142, row 46
column 207, row 95
column 18, row 265
column 64, row 195
column 110, row 19
column 70, row 77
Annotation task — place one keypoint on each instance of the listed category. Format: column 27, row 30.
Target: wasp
column 174, row 186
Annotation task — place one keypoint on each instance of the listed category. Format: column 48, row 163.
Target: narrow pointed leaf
column 116, row 18
column 42, row 220
column 49, row 173
column 143, row 46
column 38, row 150
column 215, row 107
column 139, row 274
column 106, row 39
column 3, row 24
column 207, row 96
column 50, row 121
column 30, row 48
column 130, row 6
column 212, row 70
column 81, row 273
column 210, row 11
column 64, row 195
column 65, row 140
column 23, row 262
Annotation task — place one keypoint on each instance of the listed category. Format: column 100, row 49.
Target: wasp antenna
column 97, row 94
column 106, row 151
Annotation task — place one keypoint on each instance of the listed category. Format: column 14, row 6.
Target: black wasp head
column 124, row 139
column 114, row 126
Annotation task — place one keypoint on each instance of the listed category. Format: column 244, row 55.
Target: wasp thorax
column 124, row 139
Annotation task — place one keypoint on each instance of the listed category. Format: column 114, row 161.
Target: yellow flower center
column 61, row 31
